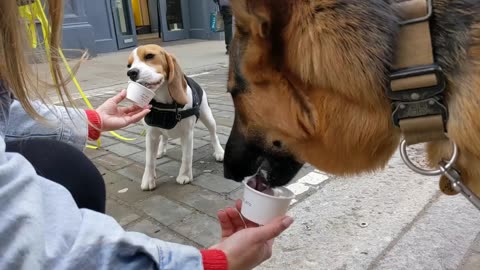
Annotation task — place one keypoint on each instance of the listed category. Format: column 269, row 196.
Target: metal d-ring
column 415, row 168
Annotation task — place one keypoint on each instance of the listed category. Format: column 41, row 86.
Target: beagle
column 177, row 105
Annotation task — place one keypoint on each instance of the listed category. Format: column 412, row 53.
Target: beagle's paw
column 218, row 155
column 184, row 179
column 148, row 183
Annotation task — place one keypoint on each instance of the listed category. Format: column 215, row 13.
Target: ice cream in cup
column 139, row 94
column 261, row 204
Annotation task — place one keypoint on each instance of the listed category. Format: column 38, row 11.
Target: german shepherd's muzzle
column 308, row 81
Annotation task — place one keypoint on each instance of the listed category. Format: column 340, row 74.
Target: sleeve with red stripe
column 214, row 259
column 94, row 126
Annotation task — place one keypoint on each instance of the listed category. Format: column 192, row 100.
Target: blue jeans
column 67, row 166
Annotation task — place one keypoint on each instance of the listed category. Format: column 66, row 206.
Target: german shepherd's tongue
column 259, row 182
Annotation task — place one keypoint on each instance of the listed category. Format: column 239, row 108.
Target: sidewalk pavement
column 392, row 219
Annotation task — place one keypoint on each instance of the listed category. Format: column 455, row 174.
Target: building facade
column 110, row 25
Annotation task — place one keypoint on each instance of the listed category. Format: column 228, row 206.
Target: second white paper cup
column 261, row 208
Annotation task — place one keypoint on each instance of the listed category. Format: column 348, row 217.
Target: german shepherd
column 308, row 81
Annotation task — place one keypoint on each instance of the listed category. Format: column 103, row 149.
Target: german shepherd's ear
column 177, row 86
column 253, row 16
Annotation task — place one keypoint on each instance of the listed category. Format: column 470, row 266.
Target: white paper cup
column 139, row 94
column 261, row 208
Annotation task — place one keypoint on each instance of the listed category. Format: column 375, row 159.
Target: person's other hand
column 246, row 248
column 114, row 117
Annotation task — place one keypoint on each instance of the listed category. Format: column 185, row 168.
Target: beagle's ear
column 177, row 86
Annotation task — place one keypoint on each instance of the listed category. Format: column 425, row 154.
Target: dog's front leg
column 151, row 146
column 162, row 148
column 186, row 176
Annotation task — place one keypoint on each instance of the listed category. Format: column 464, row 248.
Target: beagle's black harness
column 167, row 116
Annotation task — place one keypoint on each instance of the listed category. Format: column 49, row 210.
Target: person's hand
column 246, row 248
column 114, row 117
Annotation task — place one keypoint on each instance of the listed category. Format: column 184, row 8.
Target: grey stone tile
column 122, row 214
column 93, row 153
column 139, row 141
column 221, row 121
column 198, row 154
column 223, row 138
column 209, row 165
column 112, row 162
column 174, row 191
column 158, row 231
column 216, row 183
column 200, row 126
column 199, row 133
column 123, row 188
column 205, row 201
column 223, row 107
column 223, row 130
column 140, row 158
column 197, row 143
column 199, row 228
column 123, row 149
column 472, row 262
column 236, row 194
column 173, row 167
column 225, row 114
column 136, row 129
column 163, row 210
column 105, row 141
column 126, row 134
column 135, row 171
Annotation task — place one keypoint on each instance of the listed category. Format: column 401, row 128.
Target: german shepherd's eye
column 149, row 56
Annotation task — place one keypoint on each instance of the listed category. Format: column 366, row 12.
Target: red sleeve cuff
column 94, row 126
column 214, row 259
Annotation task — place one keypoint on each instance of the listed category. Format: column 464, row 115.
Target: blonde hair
column 15, row 71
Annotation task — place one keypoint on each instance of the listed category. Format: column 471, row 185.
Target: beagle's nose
column 133, row 74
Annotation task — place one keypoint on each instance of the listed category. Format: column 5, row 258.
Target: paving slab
column 200, row 228
column 236, row 194
column 172, row 168
column 140, row 158
column 472, row 259
column 206, row 201
column 135, row 171
column 121, row 213
column 163, row 210
column 438, row 240
column 215, row 183
column 94, row 153
column 158, row 231
column 123, row 188
column 112, row 162
column 123, row 149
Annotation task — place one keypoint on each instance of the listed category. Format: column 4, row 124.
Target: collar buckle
column 417, row 92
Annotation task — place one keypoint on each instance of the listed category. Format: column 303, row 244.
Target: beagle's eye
column 129, row 65
column 149, row 56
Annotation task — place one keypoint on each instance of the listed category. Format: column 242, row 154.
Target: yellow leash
column 36, row 11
